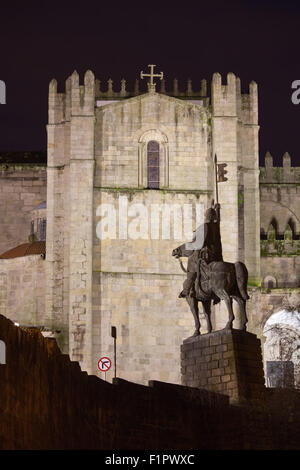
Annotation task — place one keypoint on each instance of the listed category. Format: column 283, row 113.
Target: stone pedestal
column 225, row 361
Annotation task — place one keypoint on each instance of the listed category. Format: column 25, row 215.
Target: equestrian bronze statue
column 209, row 278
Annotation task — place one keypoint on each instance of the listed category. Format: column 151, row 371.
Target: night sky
column 256, row 40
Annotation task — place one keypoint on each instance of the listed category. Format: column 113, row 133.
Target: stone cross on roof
column 151, row 84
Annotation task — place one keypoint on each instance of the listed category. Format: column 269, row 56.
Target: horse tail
column 241, row 273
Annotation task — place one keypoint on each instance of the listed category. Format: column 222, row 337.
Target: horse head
column 177, row 252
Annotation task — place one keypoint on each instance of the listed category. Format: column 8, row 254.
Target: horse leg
column 242, row 306
column 207, row 313
column 228, row 301
column 193, row 303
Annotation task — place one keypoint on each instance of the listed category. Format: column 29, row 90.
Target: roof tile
column 26, row 249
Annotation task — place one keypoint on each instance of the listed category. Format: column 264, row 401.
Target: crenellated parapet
column 56, row 102
column 118, row 92
column 78, row 100
column 249, row 108
column 280, row 244
column 223, row 97
column 227, row 100
column 280, row 223
column 284, row 174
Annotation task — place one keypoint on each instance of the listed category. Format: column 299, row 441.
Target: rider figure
column 211, row 250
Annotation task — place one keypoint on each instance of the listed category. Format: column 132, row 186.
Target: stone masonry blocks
column 225, row 361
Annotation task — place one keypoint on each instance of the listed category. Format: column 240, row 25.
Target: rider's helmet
column 210, row 215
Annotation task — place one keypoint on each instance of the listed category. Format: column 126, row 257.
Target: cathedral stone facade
column 117, row 156
column 97, row 154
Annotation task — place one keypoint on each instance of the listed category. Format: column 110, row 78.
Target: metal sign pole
column 115, row 353
column 216, row 176
column 104, row 364
column 114, row 335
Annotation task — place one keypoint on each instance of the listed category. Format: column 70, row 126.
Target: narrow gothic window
column 153, row 164
column 42, row 230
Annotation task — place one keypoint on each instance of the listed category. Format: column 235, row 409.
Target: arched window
column 292, row 225
column 155, row 143
column 270, row 282
column 153, row 164
column 42, row 230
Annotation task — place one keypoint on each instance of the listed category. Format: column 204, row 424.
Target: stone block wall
column 150, row 327
column 279, row 202
column 280, row 272
column 46, row 402
column 144, row 244
column 280, row 223
column 226, row 361
column 22, row 290
column 123, row 129
column 95, row 149
column 135, row 288
column 284, row 174
column 22, row 187
column 69, row 213
column 279, row 195
column 235, row 142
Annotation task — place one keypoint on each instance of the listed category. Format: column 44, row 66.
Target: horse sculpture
column 224, row 281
